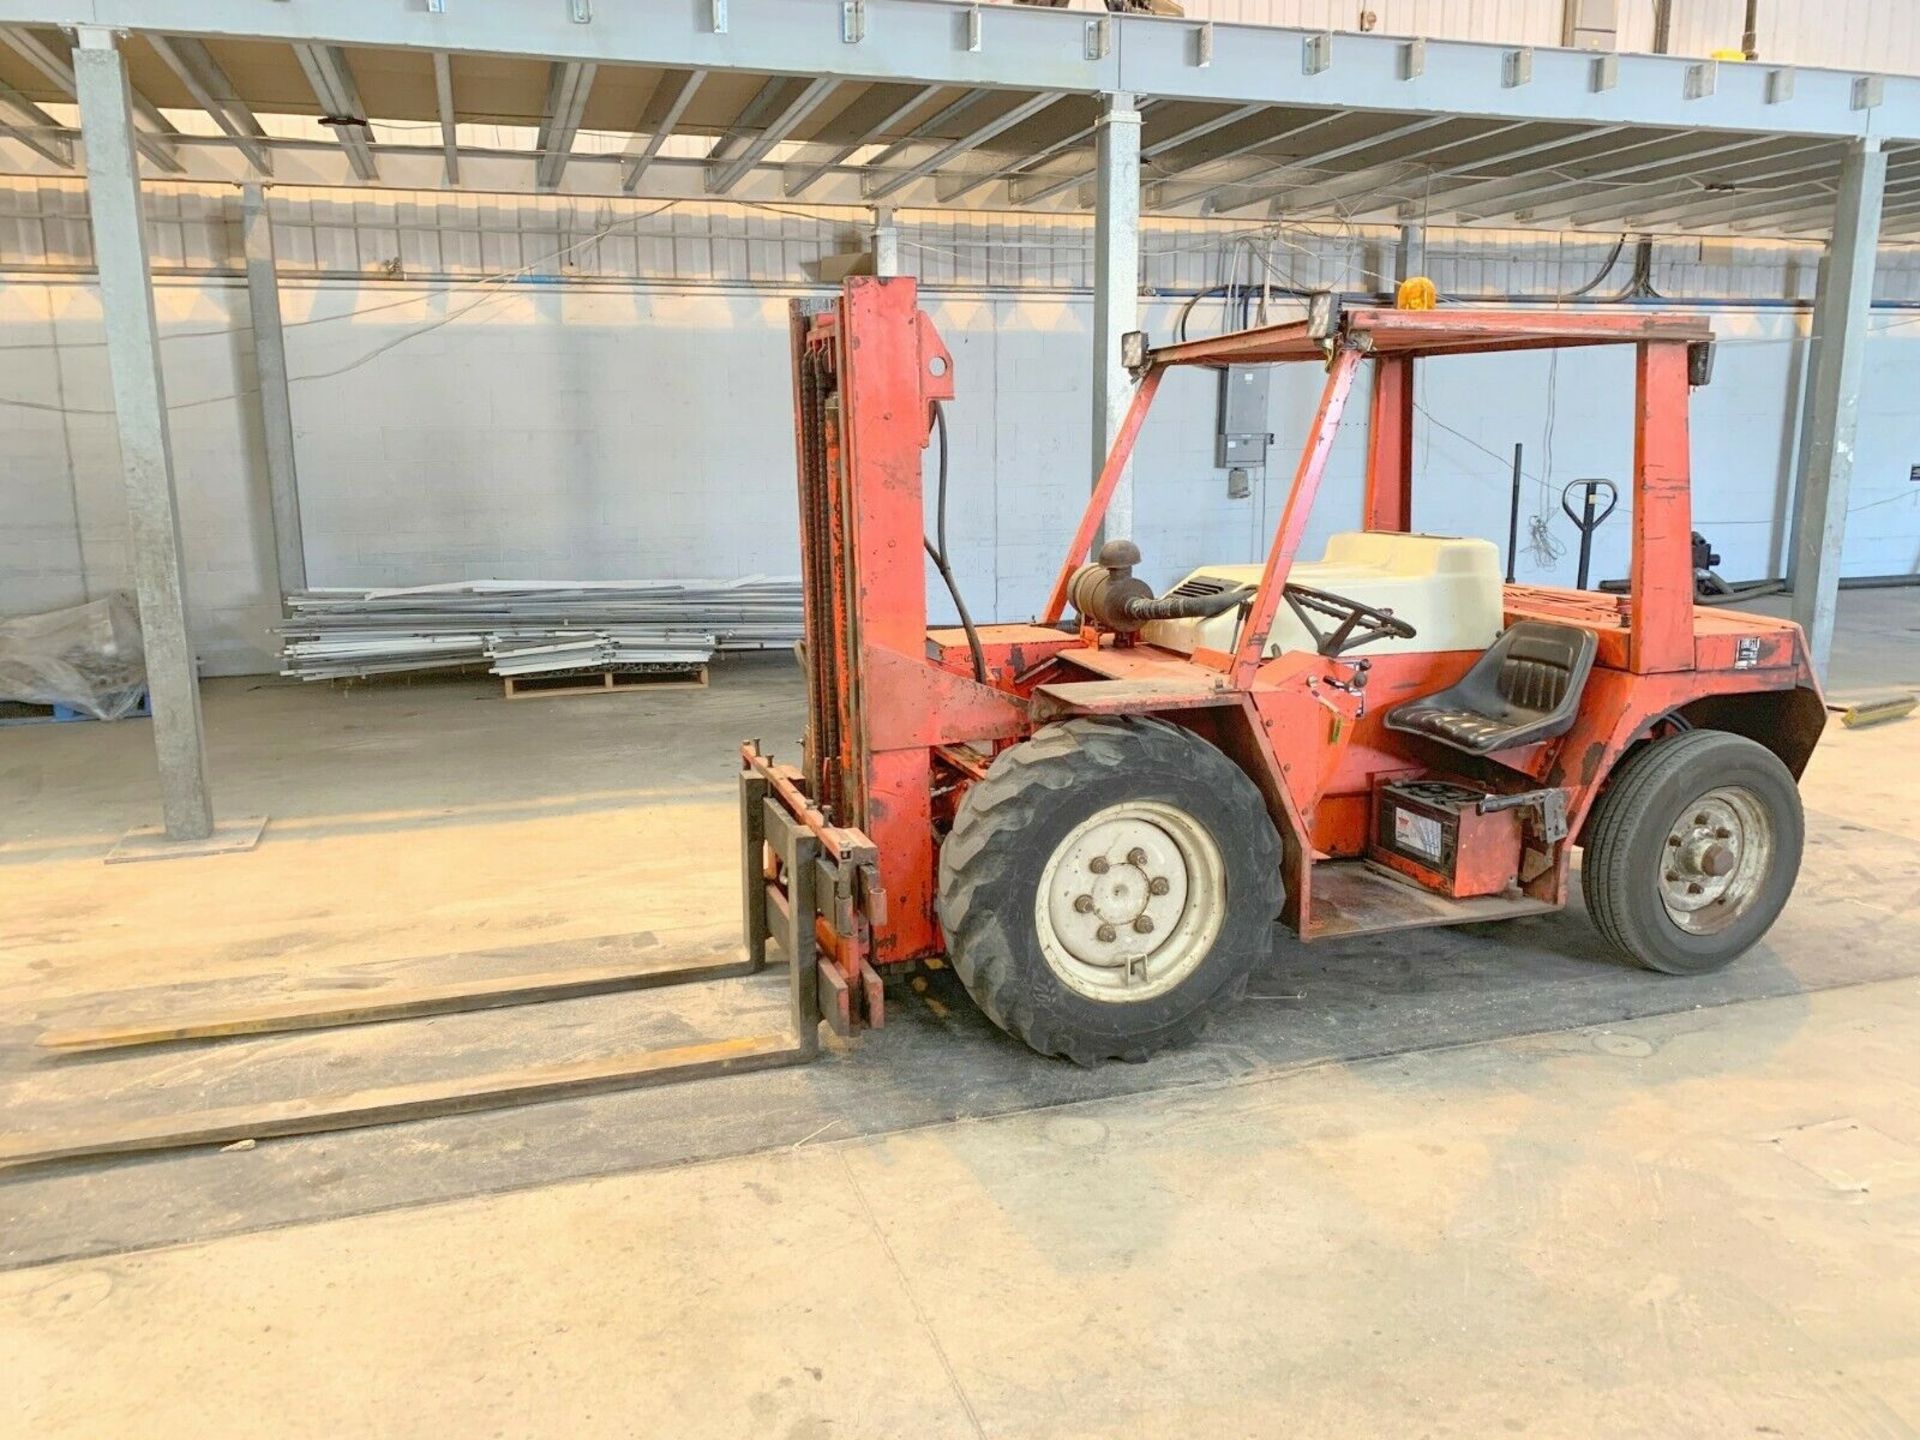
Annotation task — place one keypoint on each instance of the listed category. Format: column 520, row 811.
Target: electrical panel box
column 1591, row 25
column 1243, row 438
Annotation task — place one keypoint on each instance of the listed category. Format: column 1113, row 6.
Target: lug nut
column 1674, row 840
column 1137, row 858
column 1083, row 903
column 1143, row 925
column 1098, row 865
column 1723, row 833
column 1106, row 934
column 1694, row 887
column 1159, row 885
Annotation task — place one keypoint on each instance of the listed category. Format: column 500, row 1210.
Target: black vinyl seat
column 1524, row 689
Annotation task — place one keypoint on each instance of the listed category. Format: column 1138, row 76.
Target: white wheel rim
column 1715, row 859
column 1130, row 902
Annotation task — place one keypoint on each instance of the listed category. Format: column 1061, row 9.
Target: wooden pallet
column 603, row 682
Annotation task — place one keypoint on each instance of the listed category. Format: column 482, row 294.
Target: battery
column 1432, row 832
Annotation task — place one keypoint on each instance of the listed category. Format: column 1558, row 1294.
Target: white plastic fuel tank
column 1446, row 586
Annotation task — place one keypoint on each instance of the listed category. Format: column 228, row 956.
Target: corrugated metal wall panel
column 426, row 235
column 1879, row 36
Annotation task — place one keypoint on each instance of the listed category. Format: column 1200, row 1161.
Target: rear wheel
column 1108, row 886
column 1692, row 851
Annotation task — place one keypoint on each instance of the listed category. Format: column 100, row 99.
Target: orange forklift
column 1098, row 817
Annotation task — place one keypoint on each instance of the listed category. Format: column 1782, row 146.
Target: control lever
column 1355, row 684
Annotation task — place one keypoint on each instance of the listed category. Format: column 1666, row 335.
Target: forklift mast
column 868, row 369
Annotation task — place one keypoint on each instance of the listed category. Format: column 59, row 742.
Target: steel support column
column 1817, row 320
column 1410, row 256
column 276, row 410
column 140, row 414
column 886, row 241
column 1116, row 287
column 1833, row 396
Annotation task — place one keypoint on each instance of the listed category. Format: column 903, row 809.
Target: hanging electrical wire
column 1542, row 544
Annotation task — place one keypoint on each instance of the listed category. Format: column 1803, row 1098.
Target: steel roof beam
column 1908, row 221
column 569, row 82
column 1159, row 198
column 1817, row 215
column 1053, row 184
column 443, row 103
column 948, row 188
column 1535, row 201
column 1603, row 201
column 1721, row 192
column 749, row 121
column 1393, row 172
column 1470, row 168
column 951, row 187
column 1484, row 190
column 1322, row 158
column 26, row 122
column 870, row 136
column 1025, row 110
column 1200, row 131
column 153, row 132
column 722, row 179
column 1247, row 147
column 1820, row 217
column 664, row 109
column 1036, row 47
column 194, row 66
column 331, row 79
column 1793, row 199
column 927, row 128
column 1817, row 201
column 1724, row 207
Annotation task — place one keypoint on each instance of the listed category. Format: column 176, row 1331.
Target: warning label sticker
column 1418, row 833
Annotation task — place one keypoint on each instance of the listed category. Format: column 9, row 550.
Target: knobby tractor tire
column 1627, row 847
column 1028, row 806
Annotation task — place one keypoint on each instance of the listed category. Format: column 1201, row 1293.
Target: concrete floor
column 1470, row 1182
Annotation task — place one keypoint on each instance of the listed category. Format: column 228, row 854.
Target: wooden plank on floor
column 1872, row 707
column 392, row 1002
column 420, row 1100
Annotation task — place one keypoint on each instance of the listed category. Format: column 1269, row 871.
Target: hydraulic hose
column 1141, row 609
column 938, row 552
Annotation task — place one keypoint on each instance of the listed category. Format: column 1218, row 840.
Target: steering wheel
column 1359, row 624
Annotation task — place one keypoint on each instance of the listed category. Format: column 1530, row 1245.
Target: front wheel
column 1107, row 886
column 1692, row 851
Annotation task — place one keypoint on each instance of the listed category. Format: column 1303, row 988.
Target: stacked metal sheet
column 524, row 628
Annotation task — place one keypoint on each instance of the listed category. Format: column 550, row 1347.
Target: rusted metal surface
column 1662, row 634
column 1012, row 652
column 1125, row 697
column 899, row 726
column 1293, row 518
column 970, row 763
column 1389, row 496
column 1352, row 898
column 1449, row 331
